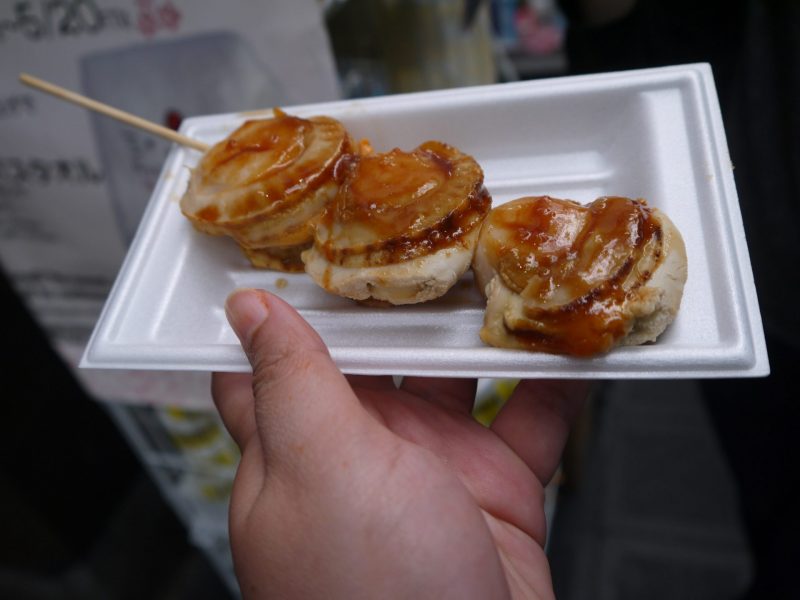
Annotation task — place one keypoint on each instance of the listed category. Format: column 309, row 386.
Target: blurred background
column 115, row 485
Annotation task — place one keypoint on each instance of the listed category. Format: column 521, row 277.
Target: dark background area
column 79, row 517
column 754, row 51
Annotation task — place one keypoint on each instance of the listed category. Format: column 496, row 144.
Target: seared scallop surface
column 266, row 184
column 403, row 226
column 564, row 278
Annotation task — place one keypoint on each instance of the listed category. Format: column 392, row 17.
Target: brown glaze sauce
column 247, row 205
column 393, row 195
column 281, row 140
column 574, row 267
column 387, row 188
column 258, row 155
column 209, row 213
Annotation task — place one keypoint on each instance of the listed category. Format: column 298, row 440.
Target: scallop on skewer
column 570, row 279
column 402, row 227
column 266, row 184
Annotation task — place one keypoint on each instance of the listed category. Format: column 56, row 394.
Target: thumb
column 301, row 397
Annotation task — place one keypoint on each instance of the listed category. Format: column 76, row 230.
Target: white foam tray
column 654, row 133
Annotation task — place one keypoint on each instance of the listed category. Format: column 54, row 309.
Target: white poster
column 73, row 185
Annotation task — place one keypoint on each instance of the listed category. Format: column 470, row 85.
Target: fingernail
column 246, row 310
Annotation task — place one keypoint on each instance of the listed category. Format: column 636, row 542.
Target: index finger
column 233, row 397
column 536, row 420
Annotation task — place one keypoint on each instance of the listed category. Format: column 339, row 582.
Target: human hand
column 351, row 488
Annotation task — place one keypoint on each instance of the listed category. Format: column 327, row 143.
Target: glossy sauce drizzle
column 574, row 267
column 255, row 153
column 398, row 205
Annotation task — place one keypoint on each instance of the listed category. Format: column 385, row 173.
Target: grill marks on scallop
column 574, row 276
column 266, row 184
column 403, row 225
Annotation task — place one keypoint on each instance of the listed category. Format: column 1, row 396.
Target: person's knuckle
column 283, row 363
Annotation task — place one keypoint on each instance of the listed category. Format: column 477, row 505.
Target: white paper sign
column 73, row 184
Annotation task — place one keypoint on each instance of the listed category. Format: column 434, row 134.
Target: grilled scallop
column 563, row 278
column 265, row 185
column 403, row 226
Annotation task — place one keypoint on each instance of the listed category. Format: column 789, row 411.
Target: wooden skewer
column 112, row 112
